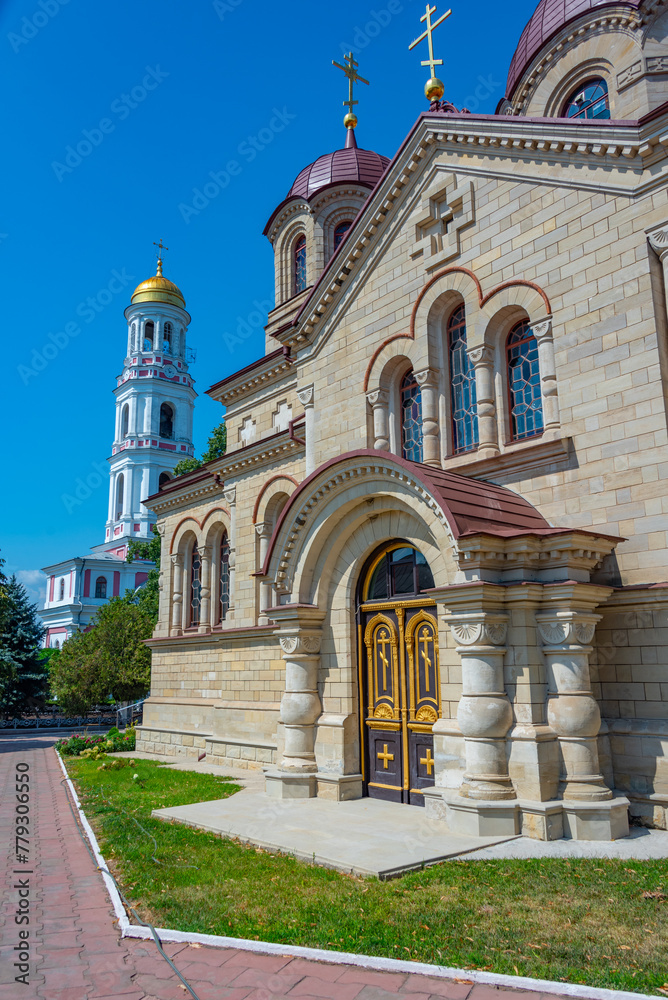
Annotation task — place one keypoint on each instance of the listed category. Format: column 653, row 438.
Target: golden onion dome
column 159, row 289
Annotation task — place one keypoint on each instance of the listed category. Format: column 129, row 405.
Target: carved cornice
column 188, row 496
column 261, row 376
column 261, row 452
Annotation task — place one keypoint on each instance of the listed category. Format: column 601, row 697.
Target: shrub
column 114, row 742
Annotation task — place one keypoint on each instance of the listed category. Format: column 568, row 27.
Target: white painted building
column 155, row 397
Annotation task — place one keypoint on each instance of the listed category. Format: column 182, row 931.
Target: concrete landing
column 365, row 836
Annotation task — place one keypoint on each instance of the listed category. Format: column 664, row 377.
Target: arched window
column 61, row 590
column 120, row 491
column 224, row 578
column 590, row 100
column 149, row 332
column 411, row 418
column 164, row 479
column 399, row 571
column 125, row 421
column 166, row 421
column 340, row 232
column 167, row 335
column 463, row 389
column 101, row 587
column 526, row 404
column 195, row 586
column 300, row 264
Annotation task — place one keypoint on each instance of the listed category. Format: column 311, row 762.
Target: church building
column 432, row 566
column 155, row 397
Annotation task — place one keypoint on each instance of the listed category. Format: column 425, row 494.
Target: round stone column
column 548, row 376
column 205, row 592
column 572, row 711
column 484, row 714
column 482, row 359
column 300, row 704
column 177, row 595
column 264, row 531
column 379, row 402
column 431, row 437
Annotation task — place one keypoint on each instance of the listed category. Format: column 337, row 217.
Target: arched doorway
column 400, row 691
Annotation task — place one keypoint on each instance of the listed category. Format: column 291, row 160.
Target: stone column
column 264, row 531
column 231, row 498
column 548, row 377
column 177, row 595
column 484, row 714
column 306, row 398
column 431, row 437
column 205, row 592
column 482, row 359
column 379, row 401
column 572, row 711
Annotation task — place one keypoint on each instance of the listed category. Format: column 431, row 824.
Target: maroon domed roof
column 550, row 17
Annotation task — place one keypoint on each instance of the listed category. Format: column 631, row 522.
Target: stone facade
column 553, row 635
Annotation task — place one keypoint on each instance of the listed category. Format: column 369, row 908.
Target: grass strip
column 597, row 922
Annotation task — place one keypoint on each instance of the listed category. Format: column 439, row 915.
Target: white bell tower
column 155, row 397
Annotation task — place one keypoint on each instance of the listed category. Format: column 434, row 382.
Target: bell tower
column 155, row 398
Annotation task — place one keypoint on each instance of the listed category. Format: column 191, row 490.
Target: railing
column 57, row 720
column 131, row 715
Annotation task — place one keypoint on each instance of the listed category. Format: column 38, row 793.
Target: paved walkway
column 76, row 953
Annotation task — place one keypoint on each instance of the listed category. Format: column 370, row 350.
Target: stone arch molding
column 216, row 520
column 338, row 507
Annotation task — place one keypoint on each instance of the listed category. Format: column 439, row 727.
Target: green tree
column 185, row 466
column 109, row 658
column 147, row 596
column 216, row 448
column 23, row 674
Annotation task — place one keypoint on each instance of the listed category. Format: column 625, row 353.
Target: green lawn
column 603, row 923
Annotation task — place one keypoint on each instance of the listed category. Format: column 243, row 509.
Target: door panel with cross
column 400, row 687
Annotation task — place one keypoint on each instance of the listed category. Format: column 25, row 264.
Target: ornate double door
column 400, row 684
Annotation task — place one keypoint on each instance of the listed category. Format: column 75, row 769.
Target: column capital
column 427, row 376
column 230, row 495
column 478, row 629
column 542, row 329
column 177, row 559
column 378, row 397
column 658, row 240
column 481, row 355
column 264, row 529
column 306, row 396
column 572, row 628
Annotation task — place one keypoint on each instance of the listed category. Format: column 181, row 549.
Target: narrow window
column 125, row 421
column 300, row 265
column 195, row 586
column 120, row 490
column 61, row 591
column 590, row 100
column 164, row 479
column 101, row 587
column 526, row 403
column 224, row 578
column 167, row 335
column 340, row 232
column 463, row 389
column 166, row 421
column 149, row 332
column 411, row 418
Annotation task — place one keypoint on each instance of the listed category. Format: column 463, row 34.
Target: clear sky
column 162, row 93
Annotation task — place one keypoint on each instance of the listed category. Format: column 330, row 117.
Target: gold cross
column 428, row 761
column 429, row 34
column 160, row 247
column 382, row 645
column 350, row 69
column 385, row 756
column 424, row 652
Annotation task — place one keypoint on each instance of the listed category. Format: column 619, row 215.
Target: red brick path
column 77, row 953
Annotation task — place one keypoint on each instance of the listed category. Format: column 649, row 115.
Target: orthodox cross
column 429, row 34
column 350, row 69
column 424, row 652
column 428, row 761
column 160, row 247
column 383, row 641
column 385, row 756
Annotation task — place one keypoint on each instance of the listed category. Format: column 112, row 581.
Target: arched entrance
column 400, row 692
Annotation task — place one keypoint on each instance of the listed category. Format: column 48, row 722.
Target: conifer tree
column 23, row 671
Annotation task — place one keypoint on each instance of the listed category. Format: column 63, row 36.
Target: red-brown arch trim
column 379, row 350
column 270, row 482
column 200, row 525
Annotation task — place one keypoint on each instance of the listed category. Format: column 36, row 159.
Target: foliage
column 216, row 448
column 147, row 597
column 595, row 921
column 23, row 670
column 109, row 659
column 113, row 742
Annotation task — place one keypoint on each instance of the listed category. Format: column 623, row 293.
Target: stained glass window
column 195, row 586
column 526, row 404
column 463, row 388
column 411, row 418
column 224, row 578
column 590, row 100
column 340, row 232
column 300, row 265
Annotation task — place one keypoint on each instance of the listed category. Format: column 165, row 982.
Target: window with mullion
column 411, row 418
column 463, row 396
column 590, row 100
column 224, row 578
column 195, row 586
column 526, row 402
column 300, row 265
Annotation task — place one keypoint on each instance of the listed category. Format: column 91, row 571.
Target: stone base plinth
column 178, row 743
column 650, row 810
column 542, row 820
column 596, row 820
column 290, row 785
column 474, row 817
column 339, row 787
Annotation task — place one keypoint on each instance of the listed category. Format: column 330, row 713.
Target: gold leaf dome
column 159, row 289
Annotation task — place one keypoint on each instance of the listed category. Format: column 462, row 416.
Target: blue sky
column 165, row 93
